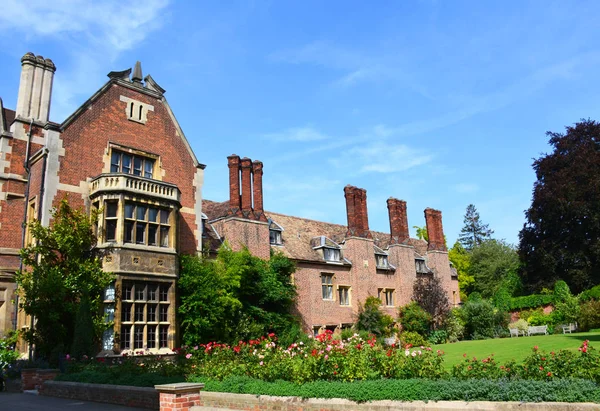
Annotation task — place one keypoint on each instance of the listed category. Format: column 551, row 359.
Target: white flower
column 414, row 354
column 407, row 353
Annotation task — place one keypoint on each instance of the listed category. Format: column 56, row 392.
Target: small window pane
column 152, row 234
column 152, row 214
column 148, row 165
column 139, row 336
column 140, row 233
column 111, row 209
column 137, row 166
column 151, row 313
column 164, row 236
column 125, row 337
column 109, row 312
column 127, row 291
column 163, row 313
column 163, row 338
column 152, row 294
column 164, row 293
column 125, row 312
column 111, row 230
column 140, row 213
column 127, row 163
column 140, row 292
column 115, row 162
column 164, row 216
column 151, row 338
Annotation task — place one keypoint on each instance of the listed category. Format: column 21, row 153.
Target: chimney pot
column 246, row 166
column 233, row 162
column 399, row 233
column 435, row 230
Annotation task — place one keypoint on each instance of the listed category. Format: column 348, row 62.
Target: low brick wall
column 139, row 397
column 214, row 401
column 32, row 379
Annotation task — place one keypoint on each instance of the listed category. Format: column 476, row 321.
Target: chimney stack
column 257, row 174
column 246, row 166
column 233, row 162
column 356, row 209
column 398, row 221
column 35, row 88
column 435, row 230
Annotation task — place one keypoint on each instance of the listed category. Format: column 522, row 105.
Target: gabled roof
column 298, row 237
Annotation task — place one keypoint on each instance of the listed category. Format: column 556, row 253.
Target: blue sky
column 439, row 103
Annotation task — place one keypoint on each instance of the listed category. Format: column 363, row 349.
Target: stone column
column 180, row 396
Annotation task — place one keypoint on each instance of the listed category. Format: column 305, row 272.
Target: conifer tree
column 474, row 231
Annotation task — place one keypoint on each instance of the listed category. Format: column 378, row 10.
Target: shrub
column 454, row 325
column 372, row 319
column 486, row 368
column 589, row 315
column 438, row 337
column 521, row 325
column 413, row 339
column 479, row 319
column 591, row 294
column 8, row 353
column 415, row 319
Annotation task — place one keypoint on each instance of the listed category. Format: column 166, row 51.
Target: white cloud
column 302, row 134
column 381, row 157
column 92, row 32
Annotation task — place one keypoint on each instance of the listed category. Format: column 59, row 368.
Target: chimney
column 35, row 88
column 435, row 230
column 233, row 162
column 356, row 209
column 246, row 166
column 398, row 221
column 257, row 173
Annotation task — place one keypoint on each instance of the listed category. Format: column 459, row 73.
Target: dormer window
column 420, row 266
column 331, row 254
column 382, row 261
column 275, row 233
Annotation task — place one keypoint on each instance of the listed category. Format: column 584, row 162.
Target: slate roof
column 299, row 232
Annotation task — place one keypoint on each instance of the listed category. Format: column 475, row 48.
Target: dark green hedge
column 530, row 301
column 425, row 390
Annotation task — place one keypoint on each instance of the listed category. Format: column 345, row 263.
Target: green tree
column 414, row 318
column 235, row 296
column 493, row 263
column 474, row 231
column 62, row 266
column 429, row 294
column 461, row 260
column 421, row 232
column 561, row 236
column 372, row 319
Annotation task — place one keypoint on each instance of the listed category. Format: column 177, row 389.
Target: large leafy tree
column 561, row 237
column 461, row 260
column 62, row 268
column 494, row 265
column 235, row 297
column 429, row 293
column 474, row 231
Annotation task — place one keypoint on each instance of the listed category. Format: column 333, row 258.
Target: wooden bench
column 516, row 332
column 539, row 329
column 569, row 328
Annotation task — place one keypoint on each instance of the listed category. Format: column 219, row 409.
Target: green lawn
column 516, row 348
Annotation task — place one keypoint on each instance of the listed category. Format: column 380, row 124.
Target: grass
column 516, row 348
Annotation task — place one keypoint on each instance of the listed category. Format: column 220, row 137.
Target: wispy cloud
column 381, row 157
column 92, row 32
column 300, row 134
column 465, row 188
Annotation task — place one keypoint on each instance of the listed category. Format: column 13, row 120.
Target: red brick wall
column 240, row 232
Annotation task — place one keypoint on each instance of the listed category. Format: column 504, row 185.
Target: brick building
column 338, row 266
column 123, row 152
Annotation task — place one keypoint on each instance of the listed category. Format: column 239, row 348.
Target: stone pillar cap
column 179, row 387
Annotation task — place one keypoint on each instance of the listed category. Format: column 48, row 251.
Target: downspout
column 23, row 226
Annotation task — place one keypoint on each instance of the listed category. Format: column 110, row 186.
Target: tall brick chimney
column 356, row 210
column 435, row 230
column 35, row 88
column 398, row 221
column 257, row 189
column 246, row 166
column 233, row 162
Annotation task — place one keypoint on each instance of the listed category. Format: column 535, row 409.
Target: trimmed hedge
column 565, row 390
column 530, row 301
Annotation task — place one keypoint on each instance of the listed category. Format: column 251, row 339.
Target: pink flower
column 196, row 348
column 188, row 356
column 68, row 357
column 260, row 363
column 326, row 356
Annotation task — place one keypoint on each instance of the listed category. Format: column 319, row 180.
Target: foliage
column 474, row 232
column 487, row 368
column 561, row 236
column 591, row 294
column 438, row 337
column 530, row 301
column 454, row 325
column 589, row 315
column 413, row 318
column 521, row 325
column 429, row 293
column 493, row 262
column 410, row 338
column 461, row 260
column 8, row 353
column 63, row 264
column 235, row 296
column 371, row 319
column 421, row 233
column 558, row 390
column 83, row 342
column 482, row 320
column 566, row 306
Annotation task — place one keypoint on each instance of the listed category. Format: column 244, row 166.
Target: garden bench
column 568, row 328
column 539, row 329
column 516, row 332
